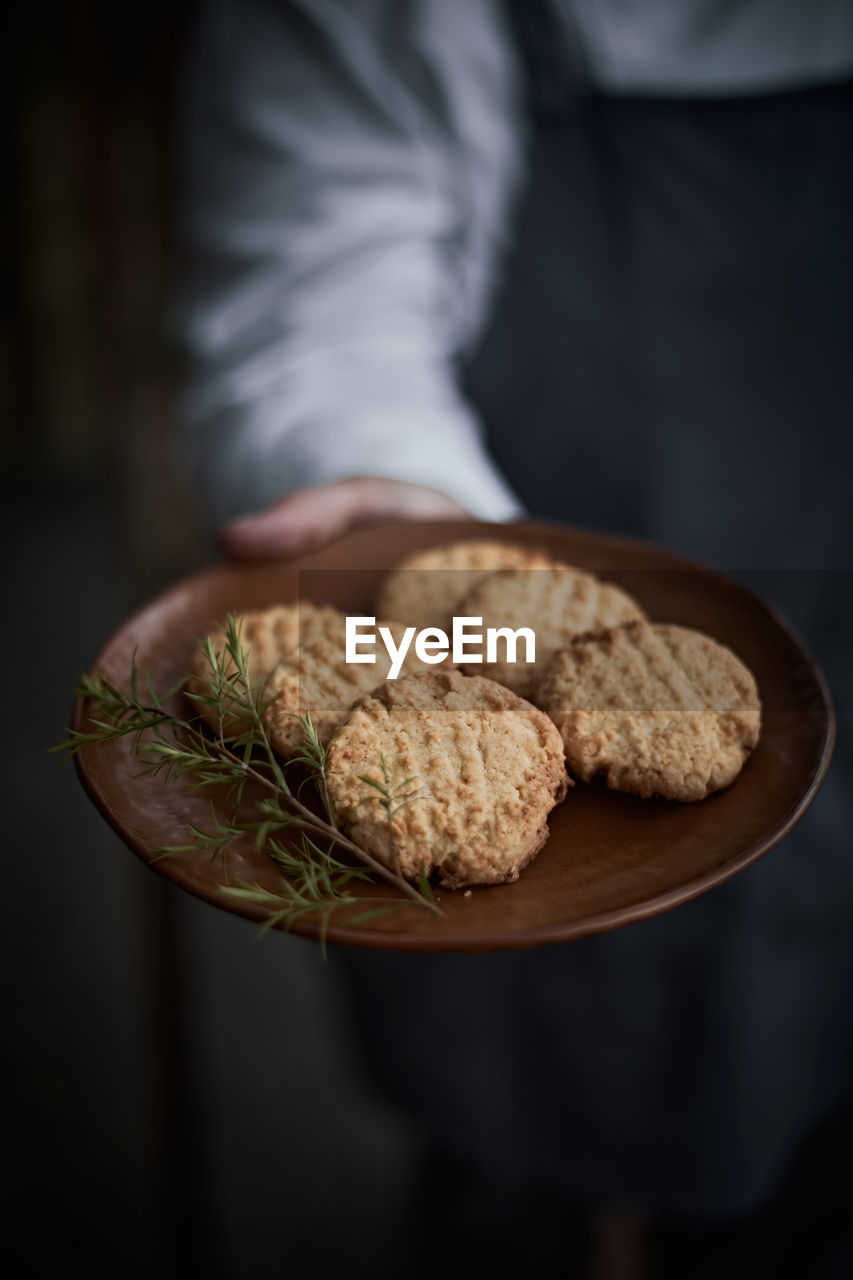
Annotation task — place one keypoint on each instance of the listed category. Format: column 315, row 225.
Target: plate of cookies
column 549, row 732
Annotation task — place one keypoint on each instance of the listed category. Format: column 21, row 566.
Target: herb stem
column 304, row 818
column 313, row 878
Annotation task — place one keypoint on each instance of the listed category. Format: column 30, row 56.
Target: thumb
column 296, row 524
column 313, row 517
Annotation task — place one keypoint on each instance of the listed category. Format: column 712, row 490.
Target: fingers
column 309, row 519
column 294, row 525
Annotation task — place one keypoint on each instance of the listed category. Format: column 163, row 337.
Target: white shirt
column 350, row 171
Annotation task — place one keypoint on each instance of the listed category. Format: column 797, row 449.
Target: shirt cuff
column 305, row 431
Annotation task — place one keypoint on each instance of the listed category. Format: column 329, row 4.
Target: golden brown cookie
column 556, row 603
column 267, row 635
column 316, row 677
column 473, row 772
column 658, row 710
column 425, row 588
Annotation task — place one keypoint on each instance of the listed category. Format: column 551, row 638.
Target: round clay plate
column 610, row 858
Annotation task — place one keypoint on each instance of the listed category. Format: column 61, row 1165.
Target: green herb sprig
column 314, row 880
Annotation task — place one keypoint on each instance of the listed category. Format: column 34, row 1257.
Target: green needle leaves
column 314, row 880
column 394, row 797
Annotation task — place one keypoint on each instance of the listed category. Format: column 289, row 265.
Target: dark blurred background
column 183, row 1097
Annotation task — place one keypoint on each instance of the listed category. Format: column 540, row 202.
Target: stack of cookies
column 478, row 755
column 296, row 658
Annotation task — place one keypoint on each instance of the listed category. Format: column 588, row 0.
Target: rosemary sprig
column 312, row 757
column 317, row 883
column 394, row 797
column 313, row 879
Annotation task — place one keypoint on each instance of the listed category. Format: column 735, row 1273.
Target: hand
column 310, row 518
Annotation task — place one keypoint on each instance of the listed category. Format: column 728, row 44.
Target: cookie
column 657, row 710
column 267, row 635
column 316, row 678
column 556, row 603
column 473, row 770
column 425, row 588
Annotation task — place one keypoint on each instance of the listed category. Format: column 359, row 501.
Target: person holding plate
column 591, row 262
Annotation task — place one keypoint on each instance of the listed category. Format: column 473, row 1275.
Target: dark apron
column 671, row 356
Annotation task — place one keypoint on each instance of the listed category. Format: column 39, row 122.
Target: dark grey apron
column 671, row 356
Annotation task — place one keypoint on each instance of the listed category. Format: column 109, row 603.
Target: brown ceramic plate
column 610, row 858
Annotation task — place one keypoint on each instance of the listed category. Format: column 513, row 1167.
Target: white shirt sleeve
column 349, row 169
